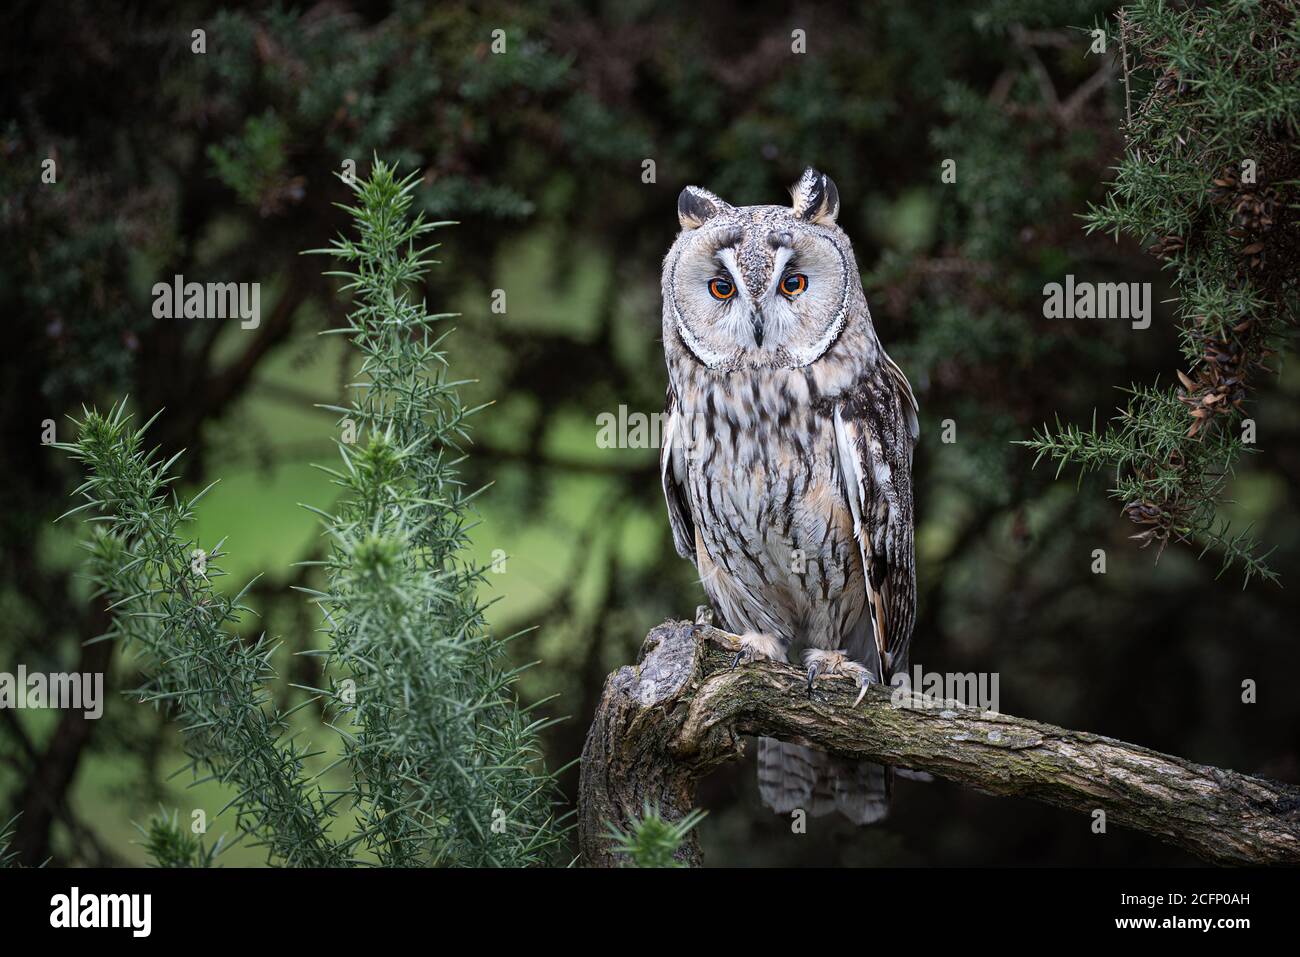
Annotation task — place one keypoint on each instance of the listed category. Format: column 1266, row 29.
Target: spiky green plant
column 170, row 844
column 651, row 840
column 159, row 586
column 1211, row 179
column 446, row 766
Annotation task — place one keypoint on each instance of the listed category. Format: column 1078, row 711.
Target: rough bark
column 663, row 724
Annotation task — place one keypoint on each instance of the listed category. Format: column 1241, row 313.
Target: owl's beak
column 758, row 330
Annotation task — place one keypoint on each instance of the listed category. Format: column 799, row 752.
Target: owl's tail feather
column 792, row 776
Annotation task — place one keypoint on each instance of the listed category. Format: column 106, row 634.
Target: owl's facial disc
column 756, row 288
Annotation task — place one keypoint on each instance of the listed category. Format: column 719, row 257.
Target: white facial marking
column 728, row 257
column 783, row 256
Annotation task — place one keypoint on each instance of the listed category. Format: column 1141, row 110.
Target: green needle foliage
column 8, row 858
column 446, row 767
column 651, row 840
column 166, row 610
column 171, row 844
column 1209, row 179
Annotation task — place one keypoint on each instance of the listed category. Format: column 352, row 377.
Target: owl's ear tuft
column 696, row 206
column 815, row 198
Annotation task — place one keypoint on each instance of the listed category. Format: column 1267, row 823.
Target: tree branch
column 665, row 723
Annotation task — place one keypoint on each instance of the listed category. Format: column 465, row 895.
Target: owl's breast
column 763, row 482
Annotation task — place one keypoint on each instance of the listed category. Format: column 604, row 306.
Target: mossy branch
column 664, row 723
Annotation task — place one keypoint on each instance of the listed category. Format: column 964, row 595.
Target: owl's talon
column 813, row 671
column 828, row 663
column 865, row 680
column 756, row 646
column 863, row 685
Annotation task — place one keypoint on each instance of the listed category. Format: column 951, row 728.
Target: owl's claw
column 756, row 646
column 814, row 669
column 838, row 663
column 864, row 682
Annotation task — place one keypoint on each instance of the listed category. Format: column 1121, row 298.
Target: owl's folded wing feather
column 672, row 473
column 876, row 428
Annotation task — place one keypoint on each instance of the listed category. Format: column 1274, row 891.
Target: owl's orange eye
column 721, row 288
column 794, row 284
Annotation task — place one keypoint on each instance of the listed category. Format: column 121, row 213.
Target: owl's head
column 767, row 286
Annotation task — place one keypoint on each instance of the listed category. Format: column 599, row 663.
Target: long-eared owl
column 787, row 460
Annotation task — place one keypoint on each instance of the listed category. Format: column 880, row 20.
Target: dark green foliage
column 68, row 281
column 356, row 89
column 252, row 164
column 1211, row 178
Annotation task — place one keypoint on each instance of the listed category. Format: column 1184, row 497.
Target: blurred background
column 221, row 165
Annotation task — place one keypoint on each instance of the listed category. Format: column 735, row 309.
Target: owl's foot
column 822, row 663
column 756, row 646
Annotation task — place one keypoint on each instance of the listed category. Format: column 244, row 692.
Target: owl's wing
column 672, row 473
column 876, row 427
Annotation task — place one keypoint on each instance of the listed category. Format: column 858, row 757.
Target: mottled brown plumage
column 787, row 458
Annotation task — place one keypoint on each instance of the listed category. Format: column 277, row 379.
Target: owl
column 786, row 461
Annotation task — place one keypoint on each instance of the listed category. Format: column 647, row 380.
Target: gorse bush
column 166, row 611
column 445, row 765
column 170, row 843
column 1210, row 180
column 652, row 840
